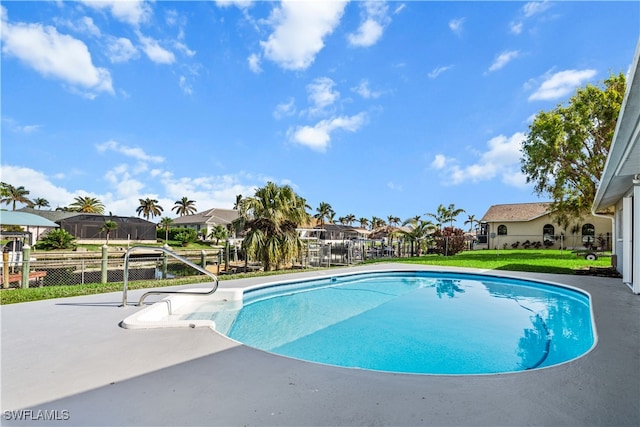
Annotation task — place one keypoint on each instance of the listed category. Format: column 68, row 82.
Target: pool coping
column 71, row 355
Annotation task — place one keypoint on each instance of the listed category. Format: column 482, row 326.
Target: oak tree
column 566, row 148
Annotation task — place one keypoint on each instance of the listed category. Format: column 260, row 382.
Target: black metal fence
column 74, row 269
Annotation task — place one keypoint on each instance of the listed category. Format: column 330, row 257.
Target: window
column 588, row 234
column 502, row 230
column 548, row 232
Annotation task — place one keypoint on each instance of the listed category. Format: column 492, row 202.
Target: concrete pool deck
column 69, row 359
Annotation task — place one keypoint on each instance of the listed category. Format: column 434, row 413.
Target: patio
column 70, row 357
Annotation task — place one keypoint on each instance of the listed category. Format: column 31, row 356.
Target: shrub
column 56, row 239
column 184, row 235
column 449, row 241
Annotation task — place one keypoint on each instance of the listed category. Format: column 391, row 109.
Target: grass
column 14, row 296
column 97, row 247
column 540, row 261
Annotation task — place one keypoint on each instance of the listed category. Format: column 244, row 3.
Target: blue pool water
column 419, row 322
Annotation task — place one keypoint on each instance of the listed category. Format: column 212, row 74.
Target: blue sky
column 377, row 108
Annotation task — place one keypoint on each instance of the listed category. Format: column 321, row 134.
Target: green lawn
column 544, row 261
column 541, row 261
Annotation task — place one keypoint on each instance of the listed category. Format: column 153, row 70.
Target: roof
column 338, row 228
column 387, row 230
column 212, row 216
column 59, row 216
column 623, row 162
column 53, row 215
column 516, row 212
column 24, row 219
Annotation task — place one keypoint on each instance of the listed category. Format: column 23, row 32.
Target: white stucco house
column 618, row 194
column 531, row 225
column 204, row 222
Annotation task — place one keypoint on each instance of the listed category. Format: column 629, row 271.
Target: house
column 204, row 222
column 34, row 224
column 530, row 225
column 85, row 227
column 618, row 194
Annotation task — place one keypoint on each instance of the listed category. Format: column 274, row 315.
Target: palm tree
column 218, row 233
column 86, row 205
column 324, row 211
column 236, row 205
column 149, row 208
column 471, row 220
column 364, row 222
column 39, row 203
column 441, row 216
column 413, row 220
column 393, row 220
column 165, row 222
column 108, row 227
column 185, row 206
column 420, row 232
column 377, row 222
column 275, row 214
column 349, row 219
column 453, row 213
column 13, row 195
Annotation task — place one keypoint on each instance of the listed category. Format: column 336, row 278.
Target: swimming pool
column 418, row 322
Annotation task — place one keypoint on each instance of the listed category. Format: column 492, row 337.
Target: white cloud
column 285, row 109
column 439, row 70
column 365, row 91
column 183, row 48
column 503, row 59
column 16, row 127
column 132, row 12
column 171, row 17
column 121, row 180
column 318, row 137
column 54, row 55
column 185, row 85
column 254, row 63
column 528, row 11
column 155, row 52
column 367, row 35
column 242, row 4
column 374, row 19
column 535, row 7
column 455, row 25
column 86, row 25
column 561, row 84
column 440, row 161
column 120, row 49
column 299, row 31
column 207, row 191
column 516, row 27
column 125, row 188
column 393, row 186
column 136, row 153
column 321, row 94
column 38, row 185
column 502, row 158
column 399, row 8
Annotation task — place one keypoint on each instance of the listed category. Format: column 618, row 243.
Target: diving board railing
column 169, row 252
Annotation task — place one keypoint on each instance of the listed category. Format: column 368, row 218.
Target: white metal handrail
column 174, row 255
